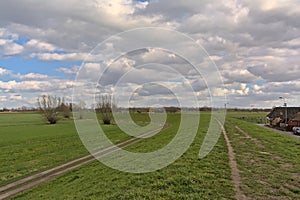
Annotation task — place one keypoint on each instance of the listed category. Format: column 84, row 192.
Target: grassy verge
column 269, row 162
column 253, row 117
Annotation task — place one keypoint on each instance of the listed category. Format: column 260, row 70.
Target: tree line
column 54, row 108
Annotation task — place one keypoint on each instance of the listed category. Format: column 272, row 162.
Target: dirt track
column 235, row 173
column 39, row 178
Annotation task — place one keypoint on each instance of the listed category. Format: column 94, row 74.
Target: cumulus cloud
column 66, row 56
column 39, row 45
column 15, row 97
column 9, row 48
column 249, row 40
column 239, row 75
column 4, row 72
column 31, row 76
column 84, row 23
column 69, row 71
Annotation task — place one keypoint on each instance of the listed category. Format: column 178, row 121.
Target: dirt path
column 235, row 173
column 42, row 177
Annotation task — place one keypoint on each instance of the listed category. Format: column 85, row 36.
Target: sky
column 254, row 44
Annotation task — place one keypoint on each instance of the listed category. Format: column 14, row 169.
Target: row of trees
column 54, row 108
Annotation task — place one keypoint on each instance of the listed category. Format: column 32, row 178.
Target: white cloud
column 9, row 48
column 293, row 43
column 69, row 71
column 36, row 86
column 4, row 72
column 249, row 40
column 15, row 97
column 257, row 88
column 12, row 86
column 3, row 98
column 40, row 46
column 238, row 75
column 31, row 76
column 5, row 33
column 66, row 57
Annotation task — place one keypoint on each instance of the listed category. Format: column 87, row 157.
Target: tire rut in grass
column 257, row 142
column 42, row 177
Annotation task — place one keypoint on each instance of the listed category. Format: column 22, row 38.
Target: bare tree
column 78, row 109
column 104, row 107
column 49, row 105
column 65, row 109
column 81, row 107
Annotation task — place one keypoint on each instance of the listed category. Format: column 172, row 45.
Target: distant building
column 282, row 115
column 295, row 122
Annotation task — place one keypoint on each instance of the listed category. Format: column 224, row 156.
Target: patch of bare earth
column 235, row 173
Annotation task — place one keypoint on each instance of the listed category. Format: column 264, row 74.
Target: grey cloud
column 152, row 90
column 276, row 73
column 69, row 71
column 239, row 75
column 252, row 39
column 174, row 11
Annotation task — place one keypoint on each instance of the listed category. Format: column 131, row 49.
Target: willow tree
column 104, row 107
column 50, row 105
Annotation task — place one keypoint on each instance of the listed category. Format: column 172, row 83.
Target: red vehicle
column 294, row 123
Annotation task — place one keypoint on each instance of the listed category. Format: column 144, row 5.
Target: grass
column 29, row 145
column 187, row 178
column 269, row 162
column 254, row 117
column 19, row 119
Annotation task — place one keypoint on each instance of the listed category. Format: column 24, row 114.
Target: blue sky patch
column 21, row 40
column 22, row 65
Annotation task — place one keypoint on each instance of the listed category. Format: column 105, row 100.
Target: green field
column 29, row 145
column 269, row 162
